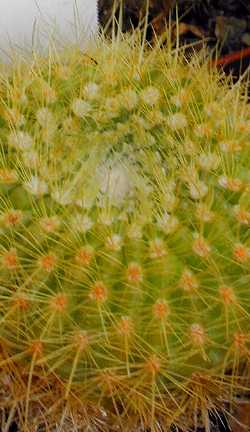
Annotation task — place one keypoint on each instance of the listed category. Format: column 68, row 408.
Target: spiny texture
column 125, row 248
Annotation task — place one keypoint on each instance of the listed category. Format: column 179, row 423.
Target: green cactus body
column 124, row 227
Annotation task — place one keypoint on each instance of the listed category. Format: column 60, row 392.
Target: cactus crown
column 124, row 224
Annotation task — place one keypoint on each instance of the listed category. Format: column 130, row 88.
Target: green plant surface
column 124, row 238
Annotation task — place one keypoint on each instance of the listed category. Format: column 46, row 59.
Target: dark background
column 224, row 25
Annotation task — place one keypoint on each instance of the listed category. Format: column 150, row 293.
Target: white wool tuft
column 27, row 24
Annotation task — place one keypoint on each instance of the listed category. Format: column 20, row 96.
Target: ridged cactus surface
column 124, row 239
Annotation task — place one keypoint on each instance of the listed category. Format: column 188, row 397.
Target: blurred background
column 222, row 25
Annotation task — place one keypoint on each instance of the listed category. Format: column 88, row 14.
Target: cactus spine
column 125, row 248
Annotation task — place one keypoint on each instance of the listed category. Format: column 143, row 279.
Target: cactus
column 125, row 248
